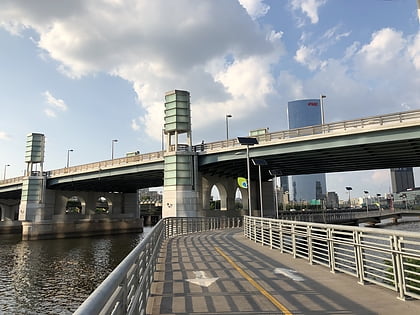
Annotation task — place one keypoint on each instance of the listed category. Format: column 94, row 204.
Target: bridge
column 188, row 173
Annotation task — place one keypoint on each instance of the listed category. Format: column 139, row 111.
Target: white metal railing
column 102, row 165
column 126, row 289
column 387, row 258
column 372, row 122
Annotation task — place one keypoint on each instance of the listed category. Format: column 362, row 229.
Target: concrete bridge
column 188, row 172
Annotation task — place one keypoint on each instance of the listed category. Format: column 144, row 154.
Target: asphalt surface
column 222, row 272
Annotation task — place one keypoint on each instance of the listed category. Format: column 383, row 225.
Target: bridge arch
column 227, row 189
column 103, row 205
column 75, row 205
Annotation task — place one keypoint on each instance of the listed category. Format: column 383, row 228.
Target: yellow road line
column 255, row 284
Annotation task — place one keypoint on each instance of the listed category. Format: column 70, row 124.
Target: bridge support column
column 180, row 191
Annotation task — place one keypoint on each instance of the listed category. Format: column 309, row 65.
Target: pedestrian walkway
column 222, row 272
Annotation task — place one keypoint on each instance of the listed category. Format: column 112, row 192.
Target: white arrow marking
column 201, row 279
column 290, row 273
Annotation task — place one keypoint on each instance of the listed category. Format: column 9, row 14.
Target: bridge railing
column 387, row 258
column 342, row 126
column 126, row 289
column 101, row 165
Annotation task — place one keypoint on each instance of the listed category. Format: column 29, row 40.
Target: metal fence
column 387, row 258
column 126, row 289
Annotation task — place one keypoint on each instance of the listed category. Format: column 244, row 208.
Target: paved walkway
column 222, row 272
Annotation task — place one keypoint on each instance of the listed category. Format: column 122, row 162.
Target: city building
column 304, row 113
column 402, row 179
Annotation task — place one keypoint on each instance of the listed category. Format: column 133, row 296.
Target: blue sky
column 88, row 71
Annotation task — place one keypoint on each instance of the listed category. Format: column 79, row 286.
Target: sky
column 86, row 72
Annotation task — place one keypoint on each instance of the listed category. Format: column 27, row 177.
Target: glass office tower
column 304, row 113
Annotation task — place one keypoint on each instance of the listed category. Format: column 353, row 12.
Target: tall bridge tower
column 180, row 197
column 33, row 187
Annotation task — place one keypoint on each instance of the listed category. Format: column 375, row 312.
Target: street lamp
column 68, row 157
column 259, row 163
column 348, row 188
column 4, row 173
column 227, row 126
column 322, row 110
column 112, row 148
column 367, row 206
column 248, row 141
column 274, row 173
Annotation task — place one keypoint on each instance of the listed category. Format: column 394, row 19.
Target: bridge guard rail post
column 397, row 260
column 358, row 252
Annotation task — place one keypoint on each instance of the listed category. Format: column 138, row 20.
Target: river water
column 56, row 276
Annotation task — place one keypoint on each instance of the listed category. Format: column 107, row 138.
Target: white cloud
column 54, row 104
column 135, row 125
column 4, row 136
column 414, row 51
column 308, row 56
column 49, row 112
column 255, row 8
column 308, row 7
column 187, row 51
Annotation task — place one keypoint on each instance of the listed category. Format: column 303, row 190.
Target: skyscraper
column 402, row 178
column 304, row 113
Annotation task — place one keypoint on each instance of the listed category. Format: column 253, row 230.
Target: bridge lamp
column 4, row 172
column 348, row 188
column 227, row 126
column 322, row 109
column 248, row 141
column 259, row 163
column 68, row 157
column 367, row 206
column 112, row 148
column 274, row 173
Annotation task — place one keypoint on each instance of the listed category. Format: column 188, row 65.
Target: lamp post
column 227, row 126
column 248, row 141
column 348, row 188
column 68, row 157
column 366, row 198
column 322, row 110
column 4, row 172
column 112, row 148
column 274, row 173
column 259, row 163
column 321, row 97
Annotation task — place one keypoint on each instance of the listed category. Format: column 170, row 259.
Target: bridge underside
column 376, row 150
column 109, row 182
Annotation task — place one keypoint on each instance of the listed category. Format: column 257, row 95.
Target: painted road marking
column 263, row 291
column 290, row 273
column 201, row 279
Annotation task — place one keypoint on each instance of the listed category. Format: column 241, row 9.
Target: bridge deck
column 252, row 279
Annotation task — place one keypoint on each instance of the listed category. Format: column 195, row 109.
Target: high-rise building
column 402, row 178
column 304, row 113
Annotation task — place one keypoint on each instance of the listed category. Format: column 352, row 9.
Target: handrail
column 371, row 122
column 384, row 257
column 126, row 289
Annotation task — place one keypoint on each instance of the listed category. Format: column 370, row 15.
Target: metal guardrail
column 337, row 127
column 344, row 216
column 387, row 258
column 372, row 122
column 126, row 289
